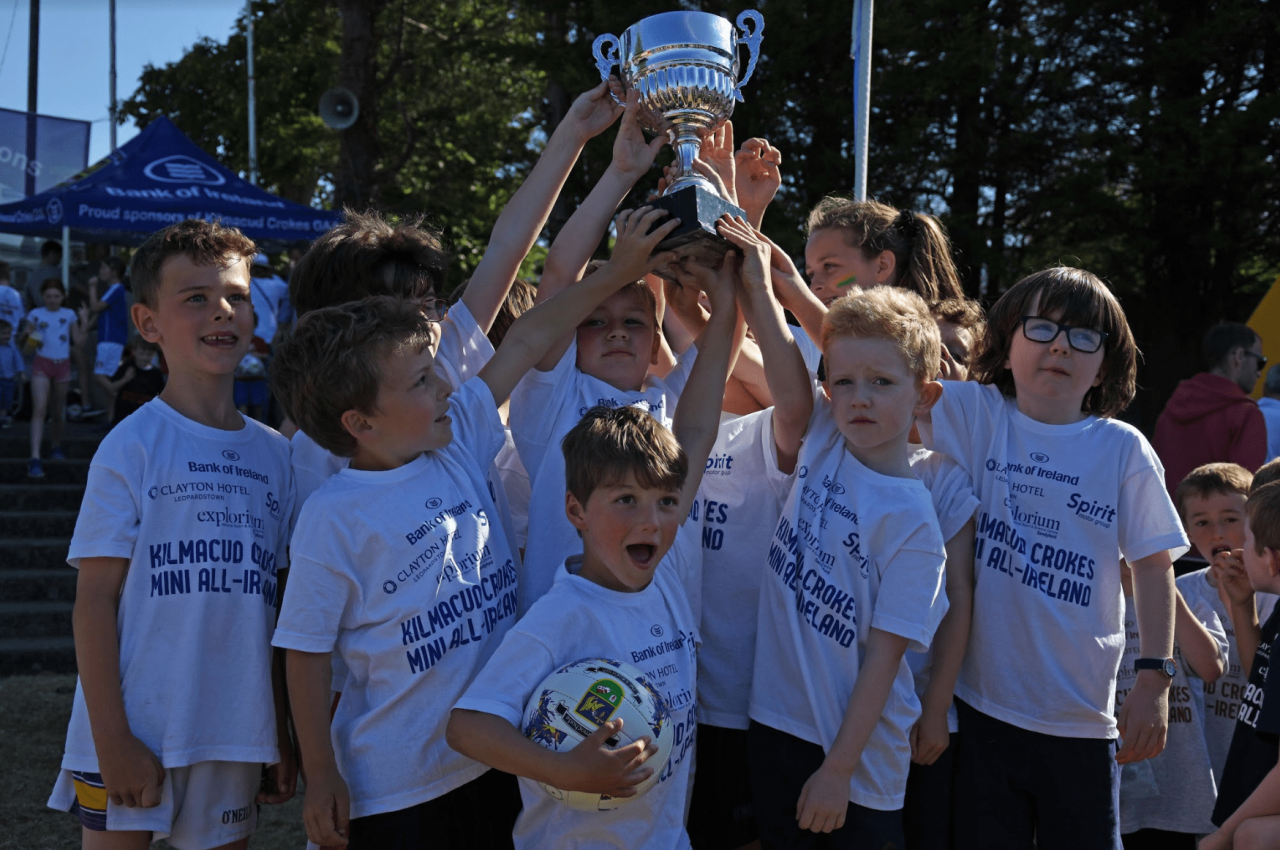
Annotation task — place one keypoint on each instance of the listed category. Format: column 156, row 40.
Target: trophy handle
column 752, row 41
column 606, row 60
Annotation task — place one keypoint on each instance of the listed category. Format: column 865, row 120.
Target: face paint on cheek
column 848, row 281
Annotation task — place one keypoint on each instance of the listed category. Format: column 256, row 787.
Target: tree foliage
column 1134, row 139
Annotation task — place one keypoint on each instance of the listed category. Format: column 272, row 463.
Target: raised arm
column 1199, row 649
column 526, row 213
column 794, row 294
column 757, row 178
column 1242, row 607
column 697, row 417
column 788, row 379
column 538, row 329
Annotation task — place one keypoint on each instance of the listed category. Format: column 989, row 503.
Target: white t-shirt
column 55, row 329
column 266, row 308
column 1061, row 504
column 464, row 350
column 1221, row 698
column 11, row 309
column 854, row 550
column 1175, row 791
column 809, row 350
column 404, row 573
column 203, row 517
column 515, row 483
column 955, row 503
column 544, row 408
column 654, row 630
column 738, row 506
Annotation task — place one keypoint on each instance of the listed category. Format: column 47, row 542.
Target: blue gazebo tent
column 157, row 178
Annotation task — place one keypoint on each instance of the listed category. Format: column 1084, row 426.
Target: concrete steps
column 37, row 519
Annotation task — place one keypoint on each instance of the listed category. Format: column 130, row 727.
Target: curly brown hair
column 1082, row 300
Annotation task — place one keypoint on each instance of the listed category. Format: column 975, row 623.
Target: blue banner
column 60, row 147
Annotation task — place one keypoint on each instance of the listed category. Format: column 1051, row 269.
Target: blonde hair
column 892, row 313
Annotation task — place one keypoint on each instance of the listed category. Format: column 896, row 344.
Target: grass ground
column 34, row 711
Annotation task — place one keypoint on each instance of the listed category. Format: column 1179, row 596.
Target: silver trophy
column 685, row 66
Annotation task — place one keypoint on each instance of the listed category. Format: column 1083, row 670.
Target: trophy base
column 695, row 238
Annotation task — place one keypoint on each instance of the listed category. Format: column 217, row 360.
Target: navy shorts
column 780, row 765
column 722, row 816
column 481, row 813
column 927, row 812
column 1017, row 789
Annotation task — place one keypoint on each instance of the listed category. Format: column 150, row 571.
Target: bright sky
column 75, row 53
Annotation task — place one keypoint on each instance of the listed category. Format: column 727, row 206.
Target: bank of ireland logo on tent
column 53, row 211
column 181, row 168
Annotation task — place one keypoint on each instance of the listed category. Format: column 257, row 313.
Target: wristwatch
column 1167, row 666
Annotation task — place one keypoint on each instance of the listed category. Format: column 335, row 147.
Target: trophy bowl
column 686, row 67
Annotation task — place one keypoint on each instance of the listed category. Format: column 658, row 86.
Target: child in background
column 855, row 577
column 747, row 478
column 607, row 362
column 12, row 372
column 137, row 380
column 52, row 328
column 1211, row 502
column 11, row 309
column 629, row 487
column 1248, row 807
column 416, row 538
column 1063, row 487
column 927, row 807
column 112, row 313
column 1166, row 801
column 178, row 705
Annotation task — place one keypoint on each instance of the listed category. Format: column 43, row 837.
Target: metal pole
column 861, row 55
column 111, row 109
column 33, row 74
column 253, row 128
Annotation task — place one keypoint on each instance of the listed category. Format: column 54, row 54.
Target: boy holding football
column 630, row 483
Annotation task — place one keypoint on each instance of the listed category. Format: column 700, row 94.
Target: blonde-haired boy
column 854, row 576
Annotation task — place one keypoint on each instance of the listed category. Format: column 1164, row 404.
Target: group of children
column 883, row 610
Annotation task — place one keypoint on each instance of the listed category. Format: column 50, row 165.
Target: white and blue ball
column 577, row 699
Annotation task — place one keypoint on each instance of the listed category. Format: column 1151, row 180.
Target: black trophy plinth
column 695, row 237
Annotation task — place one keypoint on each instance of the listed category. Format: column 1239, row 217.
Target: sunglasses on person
column 1040, row 329
column 1262, row 361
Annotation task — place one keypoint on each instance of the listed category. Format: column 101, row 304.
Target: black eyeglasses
column 435, row 308
column 1262, row 361
column 1040, row 329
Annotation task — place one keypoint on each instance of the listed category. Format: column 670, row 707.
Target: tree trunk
column 359, row 151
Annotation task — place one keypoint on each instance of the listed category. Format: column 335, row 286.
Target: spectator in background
column 1210, row 418
column 11, row 309
column 137, row 380
column 50, row 262
column 112, row 312
column 1269, row 404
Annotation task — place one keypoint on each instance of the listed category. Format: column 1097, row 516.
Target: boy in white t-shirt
column 1166, row 801
column 607, row 362
column 747, row 478
column 368, row 255
column 629, row 486
column 399, row 564
column 1211, row 502
column 854, row 578
column 180, row 544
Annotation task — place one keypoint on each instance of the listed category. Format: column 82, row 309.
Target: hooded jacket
column 1209, row 419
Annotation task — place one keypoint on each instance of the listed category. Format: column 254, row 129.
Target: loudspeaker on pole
column 339, row 108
